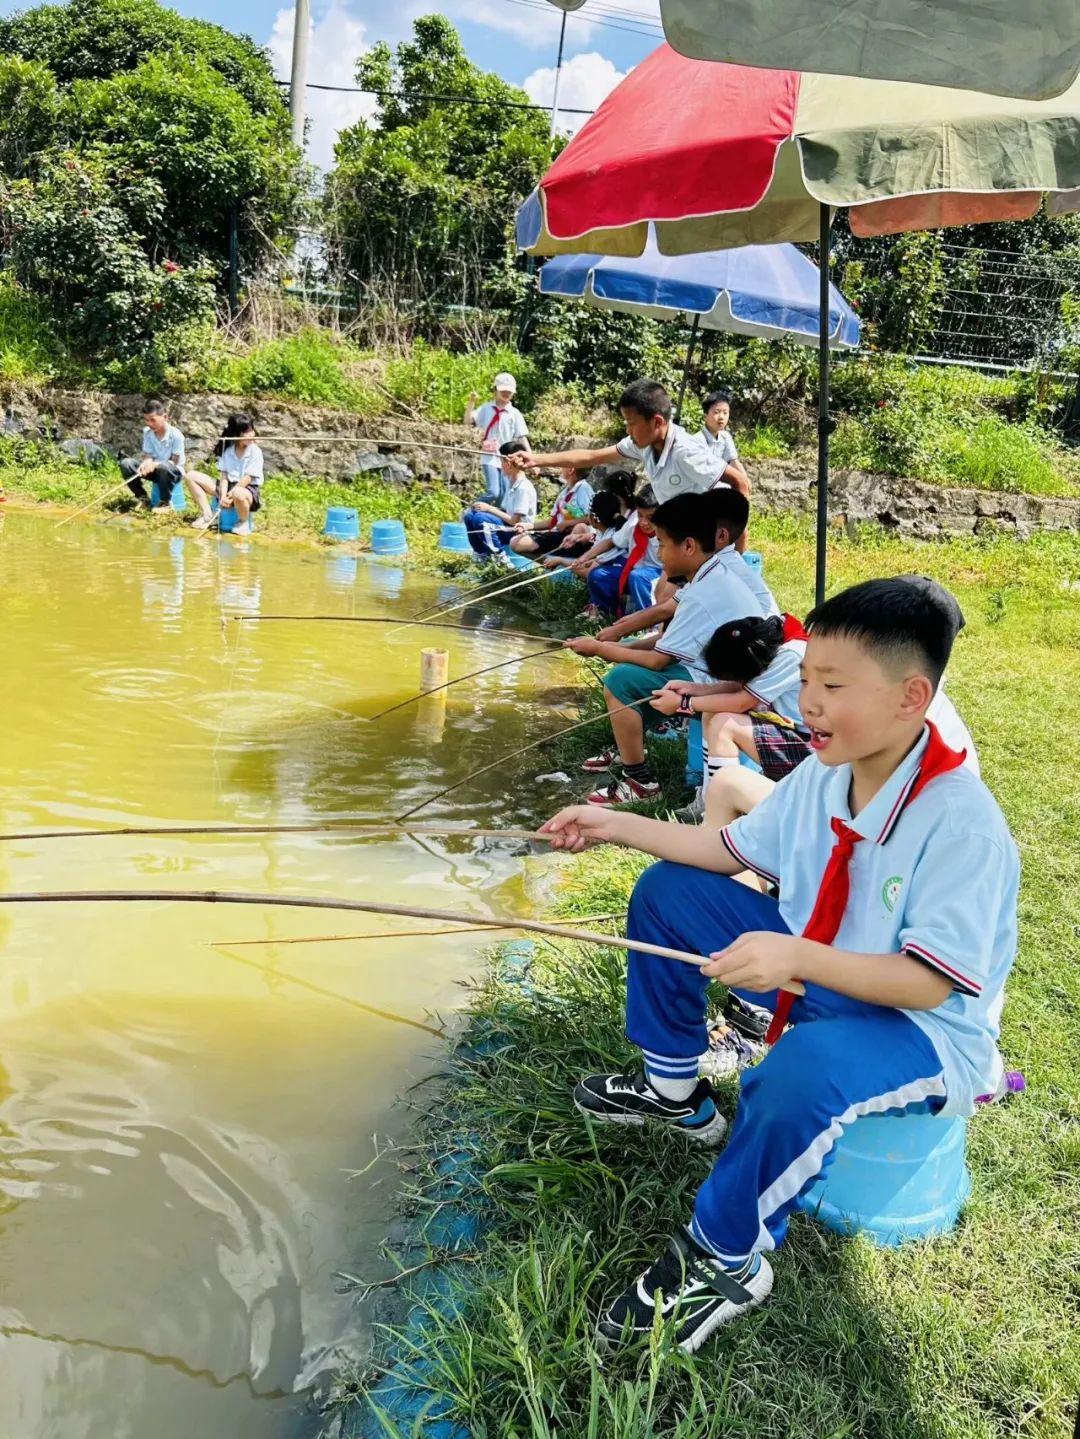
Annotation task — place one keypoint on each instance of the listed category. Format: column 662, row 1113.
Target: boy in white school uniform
column 717, row 438
column 162, row 459
column 490, row 528
column 898, row 883
column 498, row 421
column 675, row 463
column 687, row 537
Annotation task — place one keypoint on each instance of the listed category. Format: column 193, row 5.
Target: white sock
column 715, row 763
column 674, row 1089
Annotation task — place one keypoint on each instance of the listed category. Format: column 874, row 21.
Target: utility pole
column 301, row 27
column 564, row 6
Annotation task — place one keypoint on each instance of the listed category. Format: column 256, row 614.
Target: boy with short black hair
column 687, row 537
column 676, row 463
column 898, row 883
column 716, row 437
column 627, row 580
column 491, row 528
column 162, row 460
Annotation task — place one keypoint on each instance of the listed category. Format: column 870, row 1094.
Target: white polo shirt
column 510, row 425
column 720, row 446
column 236, row 467
column 684, row 467
column 520, row 500
column 778, row 686
column 750, row 577
column 936, row 878
column 713, row 597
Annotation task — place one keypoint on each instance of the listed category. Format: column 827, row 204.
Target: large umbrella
column 763, row 291
column 750, row 156
column 1026, row 48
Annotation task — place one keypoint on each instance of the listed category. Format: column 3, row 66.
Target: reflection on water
column 176, row 1115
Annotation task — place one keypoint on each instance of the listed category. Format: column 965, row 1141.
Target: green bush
column 437, row 384
column 312, row 366
column 29, row 348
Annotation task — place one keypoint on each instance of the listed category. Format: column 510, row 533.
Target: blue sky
column 515, row 38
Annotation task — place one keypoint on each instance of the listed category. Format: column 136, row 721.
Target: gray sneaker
column 692, row 813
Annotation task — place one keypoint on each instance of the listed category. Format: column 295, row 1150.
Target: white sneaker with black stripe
column 692, row 1290
column 631, row 1099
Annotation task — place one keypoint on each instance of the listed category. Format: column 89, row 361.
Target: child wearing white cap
column 498, row 421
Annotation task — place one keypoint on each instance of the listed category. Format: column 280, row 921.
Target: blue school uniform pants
column 844, row 1058
column 487, row 535
column 603, row 582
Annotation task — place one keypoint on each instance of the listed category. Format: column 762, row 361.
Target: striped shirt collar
column 880, row 817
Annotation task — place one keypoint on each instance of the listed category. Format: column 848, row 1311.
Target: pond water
column 178, row 1117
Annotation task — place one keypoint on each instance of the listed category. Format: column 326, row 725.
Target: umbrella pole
column 824, row 423
column 686, row 367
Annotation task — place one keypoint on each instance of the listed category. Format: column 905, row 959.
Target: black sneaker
column 631, row 1099
column 691, row 1289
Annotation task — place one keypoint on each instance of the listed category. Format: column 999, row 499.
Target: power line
column 438, row 99
column 650, row 33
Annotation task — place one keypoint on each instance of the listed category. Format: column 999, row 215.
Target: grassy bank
column 973, row 1336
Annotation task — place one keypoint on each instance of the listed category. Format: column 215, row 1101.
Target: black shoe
column 696, row 1293
column 631, row 1099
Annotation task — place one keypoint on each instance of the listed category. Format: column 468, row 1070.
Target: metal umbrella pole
column 824, row 422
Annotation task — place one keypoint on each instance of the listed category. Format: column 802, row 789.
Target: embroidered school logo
column 890, row 891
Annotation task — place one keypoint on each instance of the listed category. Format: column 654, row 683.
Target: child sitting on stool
column 162, row 461
column 239, row 480
column 491, row 528
column 897, row 913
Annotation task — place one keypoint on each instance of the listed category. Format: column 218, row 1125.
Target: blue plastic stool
column 229, row 519
column 178, row 499
column 342, row 524
column 388, row 538
column 753, row 559
column 454, row 539
column 893, row 1177
column 695, row 752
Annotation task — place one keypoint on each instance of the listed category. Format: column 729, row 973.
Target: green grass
column 973, row 1336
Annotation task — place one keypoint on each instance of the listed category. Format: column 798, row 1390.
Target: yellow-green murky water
column 177, row 1117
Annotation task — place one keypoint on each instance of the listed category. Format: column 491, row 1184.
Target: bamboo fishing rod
column 98, row 500
column 384, row 620
column 555, row 647
column 515, row 754
column 348, row 828
column 360, row 906
column 464, row 604
column 390, row 933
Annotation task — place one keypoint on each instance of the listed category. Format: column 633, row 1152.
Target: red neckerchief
column 824, row 924
column 793, row 628
column 496, row 417
column 637, row 549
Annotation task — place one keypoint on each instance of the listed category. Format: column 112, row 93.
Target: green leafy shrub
column 437, row 384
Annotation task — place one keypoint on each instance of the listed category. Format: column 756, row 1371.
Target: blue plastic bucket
column 753, row 559
column 229, row 519
column 342, row 524
column 388, row 538
column 893, row 1177
column 178, row 501
column 453, row 538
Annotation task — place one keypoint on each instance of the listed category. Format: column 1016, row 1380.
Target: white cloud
column 337, row 41
column 586, row 80
column 536, row 24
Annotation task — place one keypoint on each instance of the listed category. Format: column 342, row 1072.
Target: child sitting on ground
column 627, row 581
column 162, row 460
column 491, row 528
column 717, row 439
column 610, row 544
column 897, row 913
column 687, row 535
column 604, row 521
column 239, row 479
column 572, row 505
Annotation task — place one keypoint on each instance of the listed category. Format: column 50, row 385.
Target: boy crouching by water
column 897, row 903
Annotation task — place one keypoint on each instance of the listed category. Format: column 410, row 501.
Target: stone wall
column 328, row 442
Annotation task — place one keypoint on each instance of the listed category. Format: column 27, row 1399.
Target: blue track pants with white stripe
column 843, row 1058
